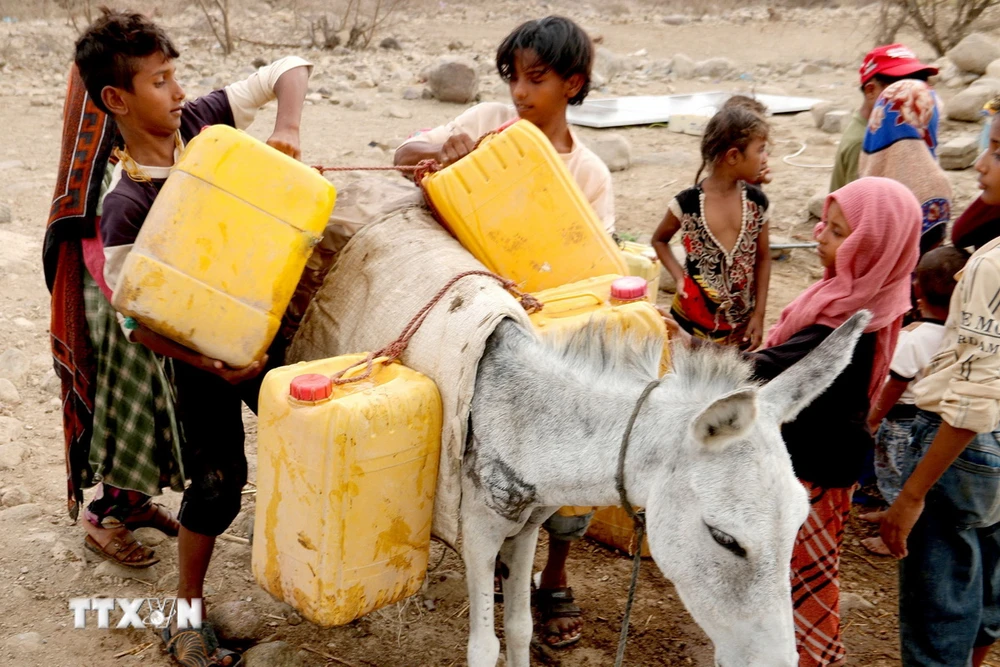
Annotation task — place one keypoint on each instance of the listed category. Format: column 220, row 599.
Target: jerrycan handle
column 574, row 301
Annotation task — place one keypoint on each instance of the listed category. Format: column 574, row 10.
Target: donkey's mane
column 608, row 352
column 709, row 370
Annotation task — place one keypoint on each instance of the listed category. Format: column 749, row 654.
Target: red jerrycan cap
column 311, row 387
column 629, row 288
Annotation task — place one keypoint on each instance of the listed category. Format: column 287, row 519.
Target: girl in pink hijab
column 868, row 244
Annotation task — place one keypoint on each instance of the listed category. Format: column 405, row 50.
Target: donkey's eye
column 726, row 541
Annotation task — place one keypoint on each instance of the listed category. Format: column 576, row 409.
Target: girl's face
column 988, row 166
column 835, row 231
column 751, row 161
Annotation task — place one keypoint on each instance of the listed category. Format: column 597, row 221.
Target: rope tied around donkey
column 394, row 350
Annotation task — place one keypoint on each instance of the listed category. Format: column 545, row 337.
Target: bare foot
column 876, row 546
column 872, row 517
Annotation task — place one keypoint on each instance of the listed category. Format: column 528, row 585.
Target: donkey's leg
column 483, row 533
column 518, row 554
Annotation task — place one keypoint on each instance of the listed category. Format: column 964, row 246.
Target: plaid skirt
column 816, row 576
column 135, row 444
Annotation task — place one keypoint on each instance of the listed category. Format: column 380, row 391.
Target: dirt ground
column 357, row 120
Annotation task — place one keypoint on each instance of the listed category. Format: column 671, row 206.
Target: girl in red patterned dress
column 722, row 286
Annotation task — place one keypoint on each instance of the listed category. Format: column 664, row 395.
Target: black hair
column 109, row 51
column 885, row 80
column 936, row 273
column 560, row 44
column 746, row 102
column 734, row 126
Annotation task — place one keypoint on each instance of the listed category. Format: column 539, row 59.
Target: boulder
column 14, row 365
column 959, row 153
column 715, row 68
column 968, row 104
column 454, row 79
column 11, row 455
column 835, row 122
column 975, row 53
column 682, row 66
column 13, row 496
column 819, row 111
column 272, row 654
column 608, row 64
column 8, row 393
column 816, row 204
column 236, row 622
column 613, row 149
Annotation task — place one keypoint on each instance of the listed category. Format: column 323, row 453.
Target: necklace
column 133, row 169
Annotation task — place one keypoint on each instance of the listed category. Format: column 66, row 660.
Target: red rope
column 395, row 349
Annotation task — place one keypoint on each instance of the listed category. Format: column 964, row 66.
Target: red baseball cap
column 892, row 60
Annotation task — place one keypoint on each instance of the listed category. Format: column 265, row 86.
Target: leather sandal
column 553, row 604
column 123, row 549
column 198, row 648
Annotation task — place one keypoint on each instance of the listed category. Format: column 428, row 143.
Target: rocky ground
column 361, row 104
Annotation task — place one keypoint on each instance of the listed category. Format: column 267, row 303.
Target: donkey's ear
column 725, row 419
column 786, row 395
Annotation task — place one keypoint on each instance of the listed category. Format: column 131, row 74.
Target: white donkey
column 706, row 460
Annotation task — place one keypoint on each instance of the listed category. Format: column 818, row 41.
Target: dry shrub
column 941, row 23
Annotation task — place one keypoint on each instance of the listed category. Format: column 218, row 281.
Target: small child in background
column 722, row 287
column 891, row 417
column 756, row 106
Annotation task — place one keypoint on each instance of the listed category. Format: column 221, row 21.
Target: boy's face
column 155, row 102
column 988, row 166
column 539, row 94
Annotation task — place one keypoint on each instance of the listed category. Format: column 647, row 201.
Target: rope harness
column 638, row 518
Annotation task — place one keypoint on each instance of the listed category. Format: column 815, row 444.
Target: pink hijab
column 872, row 270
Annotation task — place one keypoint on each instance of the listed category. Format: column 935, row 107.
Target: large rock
column 11, row 455
column 975, row 53
column 682, row 66
column 968, row 104
column 454, row 79
column 835, row 122
column 14, row 495
column 8, row 393
column 993, row 69
column 715, row 68
column 14, row 365
column 816, row 204
column 608, row 64
column 272, row 654
column 959, row 153
column 10, row 429
column 236, row 622
column 819, row 111
column 20, row 513
column 613, row 149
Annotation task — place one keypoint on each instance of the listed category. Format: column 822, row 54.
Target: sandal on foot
column 155, row 516
column 554, row 604
column 123, row 549
column 198, row 648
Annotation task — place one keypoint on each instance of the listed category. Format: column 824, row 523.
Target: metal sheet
column 648, row 109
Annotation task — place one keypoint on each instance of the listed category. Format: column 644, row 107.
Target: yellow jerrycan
column 345, row 487
column 514, row 205
column 642, row 261
column 224, row 245
column 613, row 527
column 618, row 299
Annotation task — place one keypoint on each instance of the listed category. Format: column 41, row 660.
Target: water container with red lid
column 310, row 387
column 628, row 288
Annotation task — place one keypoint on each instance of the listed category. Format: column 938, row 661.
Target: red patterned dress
column 720, row 286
